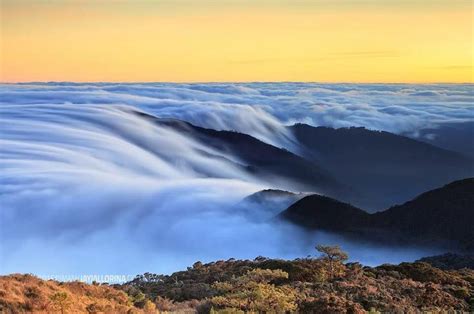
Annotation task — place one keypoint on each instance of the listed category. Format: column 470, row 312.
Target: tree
column 334, row 256
column 136, row 297
column 60, row 301
column 149, row 307
column 253, row 292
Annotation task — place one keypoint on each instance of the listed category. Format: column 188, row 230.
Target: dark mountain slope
column 458, row 137
column 450, row 261
column 285, row 169
column 447, row 212
column 265, row 204
column 442, row 215
column 370, row 169
column 270, row 162
column 385, row 167
column 321, row 212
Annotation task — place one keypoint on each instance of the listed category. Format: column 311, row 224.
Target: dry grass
column 29, row 294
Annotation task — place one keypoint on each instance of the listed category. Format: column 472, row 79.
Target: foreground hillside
column 307, row 286
column 450, row 261
column 29, row 294
column 311, row 285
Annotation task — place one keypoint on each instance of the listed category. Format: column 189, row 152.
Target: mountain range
column 367, row 168
column 349, row 180
column 384, row 168
column 442, row 216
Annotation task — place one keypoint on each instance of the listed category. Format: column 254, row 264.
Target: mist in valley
column 88, row 186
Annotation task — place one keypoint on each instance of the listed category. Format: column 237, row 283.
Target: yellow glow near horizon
column 238, row 40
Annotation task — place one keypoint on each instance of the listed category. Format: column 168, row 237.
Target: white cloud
column 82, row 178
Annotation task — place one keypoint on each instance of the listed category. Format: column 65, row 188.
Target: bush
column 253, row 292
column 60, row 302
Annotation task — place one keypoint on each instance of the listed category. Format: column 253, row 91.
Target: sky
column 237, row 40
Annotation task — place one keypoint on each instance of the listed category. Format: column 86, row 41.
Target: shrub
column 60, row 301
column 254, row 292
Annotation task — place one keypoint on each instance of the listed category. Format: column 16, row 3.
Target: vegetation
column 60, row 302
column 29, row 294
column 325, row 284
column 450, row 261
column 254, row 292
column 334, row 256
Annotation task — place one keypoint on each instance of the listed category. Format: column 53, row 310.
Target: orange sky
column 237, row 40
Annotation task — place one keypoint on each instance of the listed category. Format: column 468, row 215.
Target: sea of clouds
column 89, row 187
column 261, row 109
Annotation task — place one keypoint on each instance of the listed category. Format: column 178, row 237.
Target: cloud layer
column 87, row 186
column 260, row 109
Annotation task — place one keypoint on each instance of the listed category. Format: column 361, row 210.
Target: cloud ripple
column 87, row 184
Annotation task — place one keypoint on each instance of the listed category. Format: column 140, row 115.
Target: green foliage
column 136, row 297
column 329, row 303
column 424, row 272
column 461, row 292
column 149, row 307
column 226, row 311
column 305, row 270
column 308, row 285
column 471, row 304
column 254, row 292
column 333, row 253
column 264, row 275
column 334, row 257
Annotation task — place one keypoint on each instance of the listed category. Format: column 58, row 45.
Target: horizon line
column 240, row 82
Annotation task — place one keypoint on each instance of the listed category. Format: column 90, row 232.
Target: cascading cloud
column 86, row 183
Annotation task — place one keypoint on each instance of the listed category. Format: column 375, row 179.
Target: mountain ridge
column 378, row 163
column 260, row 158
column 443, row 214
column 364, row 167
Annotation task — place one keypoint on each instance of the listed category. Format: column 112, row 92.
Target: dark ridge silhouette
column 267, row 160
column 286, row 169
column 458, row 137
column 450, row 261
column 385, row 167
column 447, row 213
column 321, row 212
column 266, row 204
column 271, row 195
column 369, row 169
column 443, row 215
